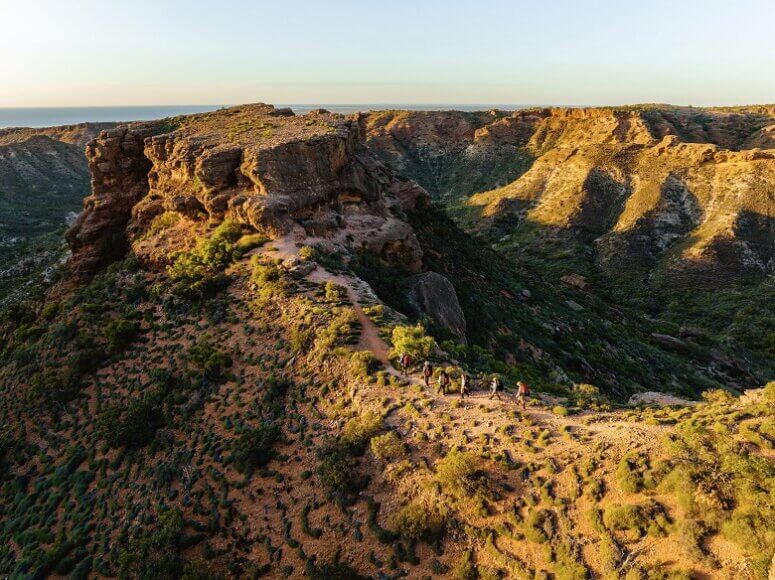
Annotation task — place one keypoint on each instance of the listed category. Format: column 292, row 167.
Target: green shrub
column 363, row 363
column 388, row 447
column 307, row 253
column 162, row 222
column 52, row 386
column 634, row 473
column 332, row 571
column 131, row 425
column 208, row 359
column 636, row 519
column 195, row 274
column 539, row 525
column 269, row 280
column 458, row 472
column 120, row 333
column 253, row 449
column 420, row 520
column 412, row 339
column 335, row 292
column 586, row 395
column 611, row 555
column 249, row 242
column 154, row 552
column 337, row 473
column 217, row 251
column 359, row 430
column 769, row 392
column 718, row 396
column 465, row 569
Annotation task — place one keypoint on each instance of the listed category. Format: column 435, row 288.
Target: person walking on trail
column 443, row 382
column 523, row 392
column 427, row 372
column 495, row 386
column 464, row 380
column 406, row 361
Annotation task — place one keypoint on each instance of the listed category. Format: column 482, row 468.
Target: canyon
column 208, row 386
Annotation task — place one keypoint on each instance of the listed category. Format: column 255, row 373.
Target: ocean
column 53, row 116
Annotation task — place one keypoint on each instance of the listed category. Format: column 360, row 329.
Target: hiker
column 523, row 392
column 464, row 380
column 406, row 361
column 427, row 372
column 495, row 386
column 443, row 382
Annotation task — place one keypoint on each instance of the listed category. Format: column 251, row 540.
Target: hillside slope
column 669, row 210
column 212, row 394
column 44, row 177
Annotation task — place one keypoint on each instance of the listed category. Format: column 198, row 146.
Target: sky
column 550, row 52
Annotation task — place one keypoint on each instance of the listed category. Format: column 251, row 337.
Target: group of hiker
column 443, row 381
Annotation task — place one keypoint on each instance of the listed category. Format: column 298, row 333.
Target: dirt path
column 609, row 426
column 285, row 248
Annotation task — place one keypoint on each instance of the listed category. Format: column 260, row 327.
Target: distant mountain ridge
column 43, row 180
column 638, row 181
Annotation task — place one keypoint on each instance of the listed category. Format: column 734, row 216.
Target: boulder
column 575, row 280
column 661, row 399
column 668, row 342
column 575, row 306
column 432, row 295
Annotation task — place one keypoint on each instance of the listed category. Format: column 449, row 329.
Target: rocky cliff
column 680, row 193
column 261, row 167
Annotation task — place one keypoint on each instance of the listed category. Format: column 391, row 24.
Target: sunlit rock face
column 262, row 167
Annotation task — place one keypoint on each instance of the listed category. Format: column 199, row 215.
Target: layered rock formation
column 259, row 166
column 681, row 193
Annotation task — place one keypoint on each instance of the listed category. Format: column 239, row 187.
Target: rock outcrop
column 259, row 166
column 433, row 296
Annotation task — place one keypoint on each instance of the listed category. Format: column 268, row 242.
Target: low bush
column 459, row 473
column 420, row 520
column 120, row 333
column 539, row 525
column 335, row 292
column 337, row 473
column 161, row 223
column 54, row 386
column 359, row 430
column 388, row 447
column 208, row 359
column 637, row 519
column 413, row 340
column 253, row 449
column 195, row 274
column 154, row 552
column 718, row 396
column 464, row 568
column 249, row 242
column 363, row 363
column 131, row 425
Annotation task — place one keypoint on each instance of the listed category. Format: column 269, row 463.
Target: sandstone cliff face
column 259, row 166
column 686, row 194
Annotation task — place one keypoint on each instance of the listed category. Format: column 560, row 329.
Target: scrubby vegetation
column 245, row 431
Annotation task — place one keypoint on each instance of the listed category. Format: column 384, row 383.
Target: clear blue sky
column 110, row 52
